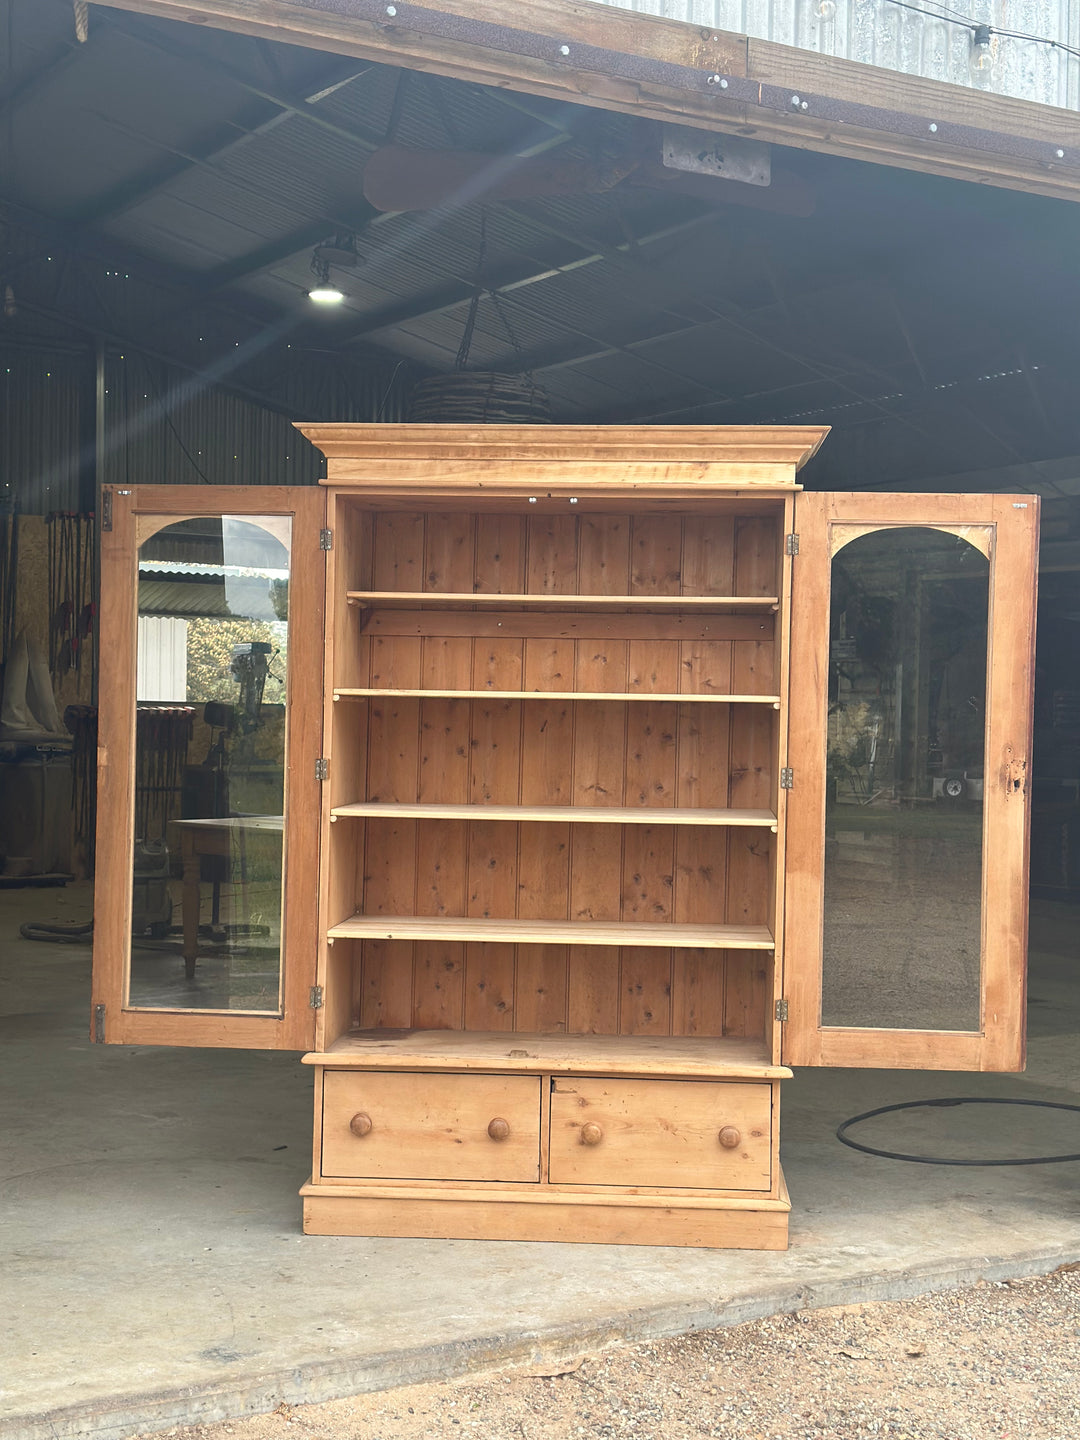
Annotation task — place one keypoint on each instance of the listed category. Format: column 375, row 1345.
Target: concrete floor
column 154, row 1270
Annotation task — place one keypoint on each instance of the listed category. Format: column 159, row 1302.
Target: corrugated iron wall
column 40, row 404
column 895, row 37
column 162, row 429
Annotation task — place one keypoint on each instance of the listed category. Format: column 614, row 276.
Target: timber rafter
column 598, row 55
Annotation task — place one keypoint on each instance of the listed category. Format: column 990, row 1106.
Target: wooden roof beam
column 668, row 70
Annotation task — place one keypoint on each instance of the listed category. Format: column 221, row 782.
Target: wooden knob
column 591, row 1134
column 499, row 1129
column 360, row 1125
column 729, row 1137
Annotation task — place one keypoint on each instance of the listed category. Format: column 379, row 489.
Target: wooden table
column 210, row 837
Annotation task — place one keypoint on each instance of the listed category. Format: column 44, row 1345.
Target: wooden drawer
column 430, row 1127
column 700, row 1134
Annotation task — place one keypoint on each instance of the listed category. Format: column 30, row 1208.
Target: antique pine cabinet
column 567, row 785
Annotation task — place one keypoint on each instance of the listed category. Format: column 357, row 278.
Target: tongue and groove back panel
column 495, row 750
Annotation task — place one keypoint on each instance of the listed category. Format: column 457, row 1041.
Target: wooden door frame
column 112, row 1021
column 644, row 65
column 999, row 1043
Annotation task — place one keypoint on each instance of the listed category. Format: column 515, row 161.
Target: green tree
column 210, row 652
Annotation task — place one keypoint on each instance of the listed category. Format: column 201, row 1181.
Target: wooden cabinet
column 620, row 774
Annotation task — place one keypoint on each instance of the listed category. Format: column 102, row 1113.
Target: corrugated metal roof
column 193, row 567
column 895, row 37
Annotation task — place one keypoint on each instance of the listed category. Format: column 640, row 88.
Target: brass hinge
column 106, row 509
column 781, row 1010
column 791, row 544
column 99, row 1024
column 787, row 778
column 326, row 539
column 322, row 769
column 316, row 997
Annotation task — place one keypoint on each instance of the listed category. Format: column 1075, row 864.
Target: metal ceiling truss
column 262, row 117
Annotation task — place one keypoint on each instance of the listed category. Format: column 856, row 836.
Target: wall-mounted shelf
column 467, row 600
column 364, row 693
column 508, row 1051
column 551, row 932
column 556, row 814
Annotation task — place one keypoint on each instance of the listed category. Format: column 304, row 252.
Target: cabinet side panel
column 748, row 977
column 349, row 566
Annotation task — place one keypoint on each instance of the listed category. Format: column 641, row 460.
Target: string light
column 950, row 16
column 982, row 51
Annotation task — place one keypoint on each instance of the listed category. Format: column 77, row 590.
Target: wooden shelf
column 467, row 600
column 509, row 1050
column 359, row 693
column 552, row 932
column 554, row 814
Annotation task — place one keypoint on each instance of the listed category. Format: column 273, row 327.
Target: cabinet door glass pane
column 211, row 676
column 904, row 780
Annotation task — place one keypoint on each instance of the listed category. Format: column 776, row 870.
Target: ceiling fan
column 723, row 169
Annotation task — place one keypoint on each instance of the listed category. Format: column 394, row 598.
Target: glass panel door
column 217, row 663
column 910, row 716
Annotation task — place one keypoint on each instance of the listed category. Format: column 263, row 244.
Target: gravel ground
column 995, row 1362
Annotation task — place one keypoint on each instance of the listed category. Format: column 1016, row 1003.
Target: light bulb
column 982, row 52
column 326, row 295
column 826, row 9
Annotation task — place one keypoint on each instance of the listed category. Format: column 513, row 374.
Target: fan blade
column 399, row 178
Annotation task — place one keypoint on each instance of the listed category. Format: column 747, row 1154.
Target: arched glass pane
column 210, row 765
column 904, row 781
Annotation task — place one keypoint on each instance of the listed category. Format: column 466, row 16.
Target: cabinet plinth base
column 430, row 1214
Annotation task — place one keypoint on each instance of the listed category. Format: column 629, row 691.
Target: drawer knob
column 591, row 1134
column 729, row 1137
column 360, row 1125
column 499, row 1129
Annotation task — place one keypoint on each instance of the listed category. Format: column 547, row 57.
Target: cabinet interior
column 567, row 816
